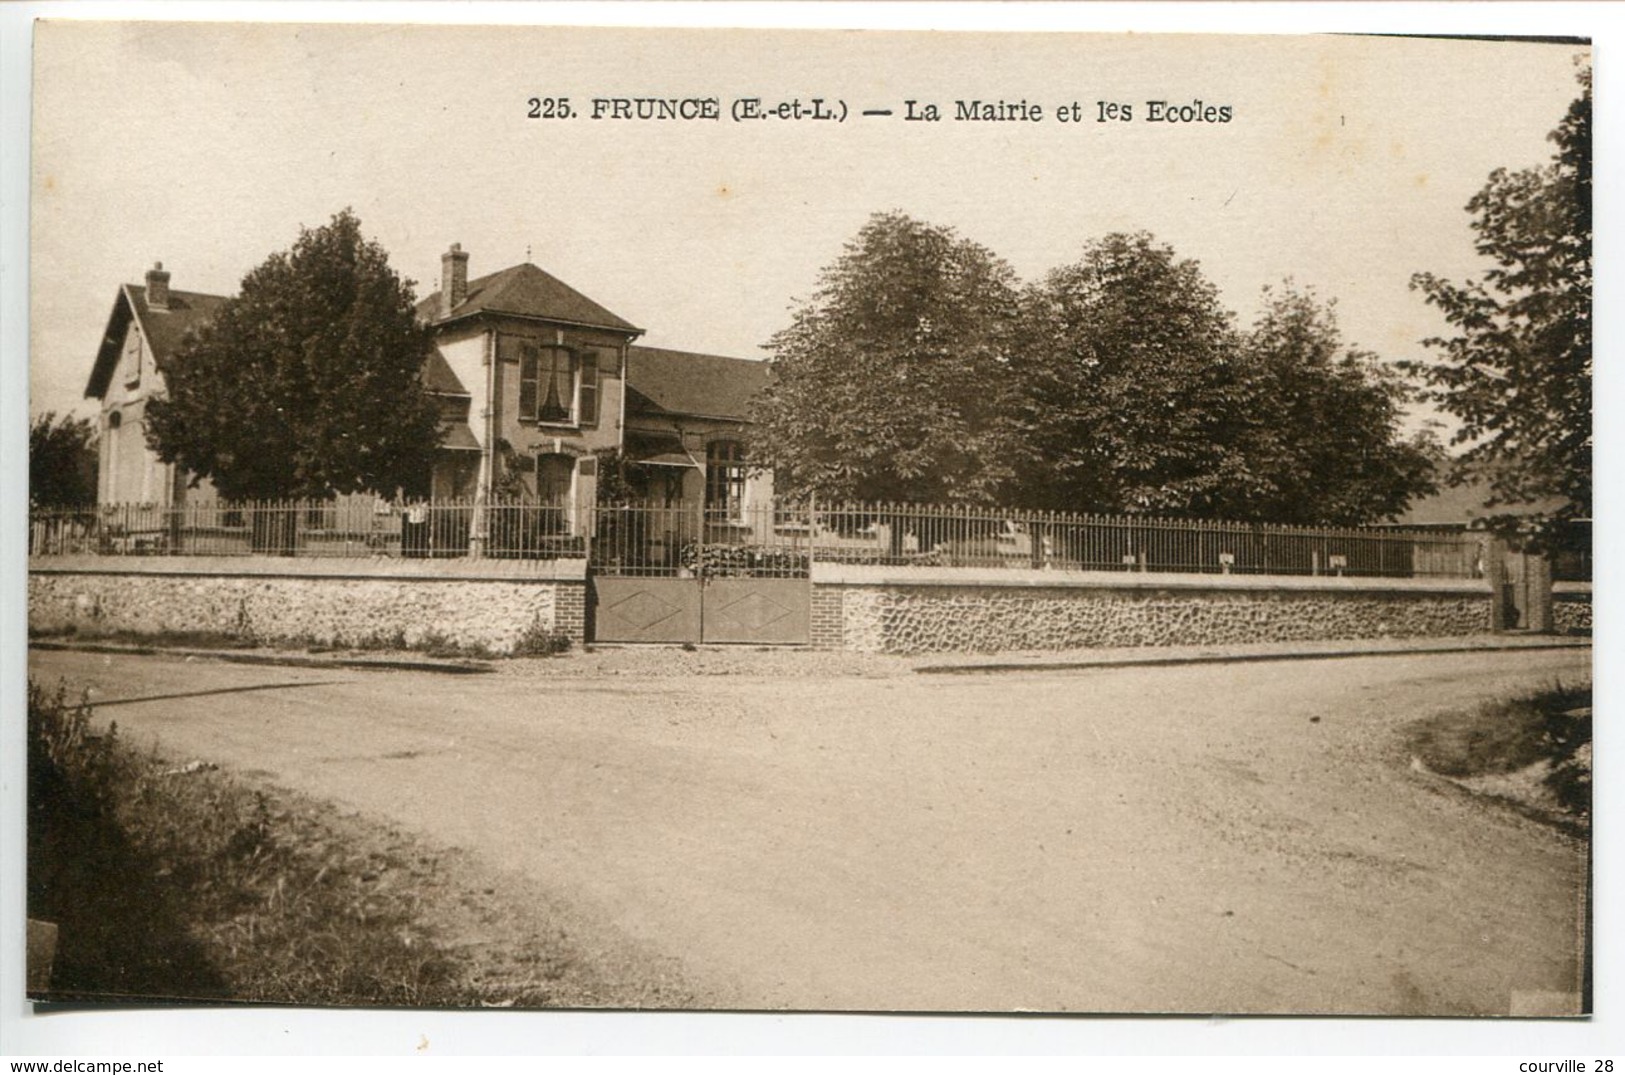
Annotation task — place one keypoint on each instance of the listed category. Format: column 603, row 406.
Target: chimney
column 453, row 279
column 157, row 287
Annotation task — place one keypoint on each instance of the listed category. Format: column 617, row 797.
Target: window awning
column 659, row 450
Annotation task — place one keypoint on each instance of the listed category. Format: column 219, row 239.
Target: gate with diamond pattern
column 701, row 610
column 671, row 574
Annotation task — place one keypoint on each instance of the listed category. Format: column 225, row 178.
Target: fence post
column 1538, row 572
column 812, row 531
column 1500, row 598
column 588, row 517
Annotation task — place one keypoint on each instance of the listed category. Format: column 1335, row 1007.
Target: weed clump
column 539, row 641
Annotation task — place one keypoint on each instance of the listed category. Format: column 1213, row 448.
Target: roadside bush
column 539, row 641
column 120, row 931
column 1504, row 736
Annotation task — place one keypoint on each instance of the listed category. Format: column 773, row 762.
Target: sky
column 1346, row 164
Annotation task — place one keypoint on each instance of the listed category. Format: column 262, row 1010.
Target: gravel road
column 1242, row 838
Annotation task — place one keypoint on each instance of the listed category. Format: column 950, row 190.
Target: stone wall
column 1571, row 608
column 499, row 605
column 345, row 603
column 988, row 615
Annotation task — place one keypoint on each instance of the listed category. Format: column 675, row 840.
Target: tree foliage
column 891, row 383
column 1118, row 383
column 1518, row 371
column 307, row 383
column 1328, row 446
column 61, row 461
column 1131, row 397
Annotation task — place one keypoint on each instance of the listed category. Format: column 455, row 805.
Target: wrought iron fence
column 357, row 527
column 780, row 539
column 690, row 539
column 904, row 535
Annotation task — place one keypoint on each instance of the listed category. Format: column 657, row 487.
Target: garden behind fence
column 779, row 539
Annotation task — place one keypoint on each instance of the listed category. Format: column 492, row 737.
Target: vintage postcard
column 842, row 521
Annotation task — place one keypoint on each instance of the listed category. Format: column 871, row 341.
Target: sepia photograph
column 742, row 520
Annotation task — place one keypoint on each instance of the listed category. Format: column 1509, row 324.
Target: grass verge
column 536, row 642
column 180, row 881
column 1534, row 748
column 158, row 639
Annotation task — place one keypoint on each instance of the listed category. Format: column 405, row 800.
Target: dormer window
column 558, row 385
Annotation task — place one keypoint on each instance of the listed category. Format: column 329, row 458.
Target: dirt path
column 1235, row 838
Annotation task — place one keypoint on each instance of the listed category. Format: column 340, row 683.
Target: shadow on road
column 218, row 690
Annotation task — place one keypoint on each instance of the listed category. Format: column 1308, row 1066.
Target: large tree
column 61, row 461
column 1132, row 396
column 307, row 383
column 1518, row 371
column 892, row 382
column 1328, row 447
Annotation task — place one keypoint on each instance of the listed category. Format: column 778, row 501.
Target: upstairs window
column 132, row 358
column 558, row 385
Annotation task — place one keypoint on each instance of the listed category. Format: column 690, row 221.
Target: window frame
column 580, row 395
column 132, row 357
column 726, row 471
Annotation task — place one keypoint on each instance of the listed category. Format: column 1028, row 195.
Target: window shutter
column 529, row 357
column 587, row 397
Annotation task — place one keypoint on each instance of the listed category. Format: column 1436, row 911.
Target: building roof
column 456, row 436
column 163, row 329
column 1465, row 504
column 660, row 381
column 439, row 378
column 527, row 291
column 659, row 449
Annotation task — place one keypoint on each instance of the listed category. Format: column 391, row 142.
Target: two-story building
column 538, row 371
column 147, row 323
column 534, row 378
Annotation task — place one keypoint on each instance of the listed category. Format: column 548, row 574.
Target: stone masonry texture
column 502, row 614
column 1572, row 613
column 947, row 619
column 496, row 615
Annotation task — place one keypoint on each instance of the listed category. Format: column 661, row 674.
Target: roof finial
column 527, row 252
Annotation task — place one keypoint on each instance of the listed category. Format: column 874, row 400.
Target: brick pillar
column 827, row 632
column 1539, row 574
column 1502, row 614
column 570, row 611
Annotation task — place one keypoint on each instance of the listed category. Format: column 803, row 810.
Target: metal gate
column 673, row 573
column 639, row 609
